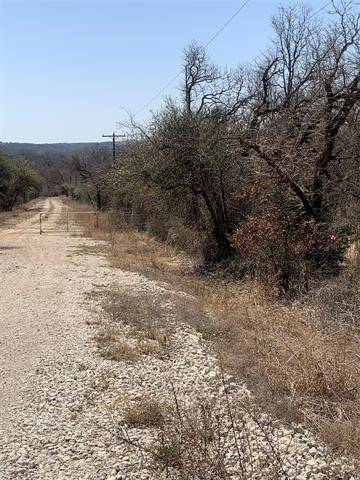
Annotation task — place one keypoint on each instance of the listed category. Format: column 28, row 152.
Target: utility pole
column 114, row 137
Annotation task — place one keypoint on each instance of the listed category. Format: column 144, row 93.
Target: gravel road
column 56, row 391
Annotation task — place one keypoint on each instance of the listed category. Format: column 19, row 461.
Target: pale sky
column 67, row 67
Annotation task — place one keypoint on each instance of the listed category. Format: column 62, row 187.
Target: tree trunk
column 223, row 243
column 317, row 199
column 98, row 200
column 11, row 203
column 220, row 228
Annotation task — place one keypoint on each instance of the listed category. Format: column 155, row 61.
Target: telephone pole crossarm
column 114, row 137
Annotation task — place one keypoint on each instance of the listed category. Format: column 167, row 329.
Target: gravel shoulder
column 57, row 393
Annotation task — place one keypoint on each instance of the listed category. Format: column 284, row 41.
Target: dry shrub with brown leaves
column 285, row 250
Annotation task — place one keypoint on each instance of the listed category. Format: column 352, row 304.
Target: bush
column 17, row 178
column 286, row 250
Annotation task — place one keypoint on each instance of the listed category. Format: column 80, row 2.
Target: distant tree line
column 70, row 169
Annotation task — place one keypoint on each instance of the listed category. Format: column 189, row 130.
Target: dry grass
column 302, row 364
column 130, row 249
column 128, row 329
column 302, row 360
column 113, row 347
column 218, row 438
column 137, row 251
column 145, row 412
column 22, row 212
column 145, row 319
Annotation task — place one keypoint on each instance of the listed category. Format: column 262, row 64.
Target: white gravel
column 57, row 393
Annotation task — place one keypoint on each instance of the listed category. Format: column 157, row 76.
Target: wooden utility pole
column 114, row 137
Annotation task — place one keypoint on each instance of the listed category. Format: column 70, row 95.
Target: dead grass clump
column 120, row 351
column 151, row 348
column 144, row 315
column 112, row 347
column 141, row 322
column 146, row 412
column 192, row 443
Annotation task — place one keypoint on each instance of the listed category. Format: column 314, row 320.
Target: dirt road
column 55, row 390
column 44, row 344
column 28, row 268
column 57, row 393
column 36, row 298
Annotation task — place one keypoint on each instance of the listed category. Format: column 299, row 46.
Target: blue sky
column 67, row 67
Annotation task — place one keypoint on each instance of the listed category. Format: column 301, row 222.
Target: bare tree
column 304, row 94
column 92, row 166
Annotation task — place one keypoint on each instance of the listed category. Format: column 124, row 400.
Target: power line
column 322, row 8
column 114, row 137
column 216, row 34
column 221, row 29
column 159, row 93
column 212, row 38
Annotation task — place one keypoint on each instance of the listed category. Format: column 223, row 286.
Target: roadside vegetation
column 129, row 329
column 300, row 358
column 244, row 193
column 19, row 182
column 255, row 170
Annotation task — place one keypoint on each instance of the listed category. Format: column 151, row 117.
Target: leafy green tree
column 17, row 178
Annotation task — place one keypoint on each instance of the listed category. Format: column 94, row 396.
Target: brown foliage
column 283, row 248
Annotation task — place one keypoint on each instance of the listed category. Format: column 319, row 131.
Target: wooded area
column 259, row 166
